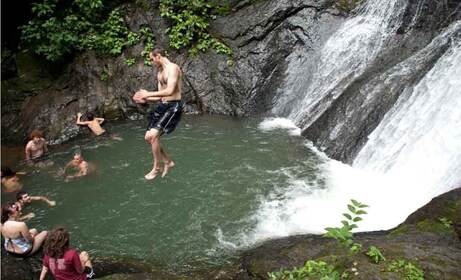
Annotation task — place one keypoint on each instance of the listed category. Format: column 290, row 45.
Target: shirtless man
column 93, row 123
column 36, row 148
column 78, row 164
column 23, row 198
column 168, row 112
column 10, row 180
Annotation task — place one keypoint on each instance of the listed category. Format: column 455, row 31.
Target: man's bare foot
column 167, row 167
column 151, row 175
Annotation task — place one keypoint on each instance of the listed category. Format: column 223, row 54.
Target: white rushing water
column 420, row 138
column 344, row 56
column 412, row 156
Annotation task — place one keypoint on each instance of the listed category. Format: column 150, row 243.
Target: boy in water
column 23, row 198
column 78, row 164
column 94, row 124
column 36, row 150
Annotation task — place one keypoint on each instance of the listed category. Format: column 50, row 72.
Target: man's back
column 95, row 126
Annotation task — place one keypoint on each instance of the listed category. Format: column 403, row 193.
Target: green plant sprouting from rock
column 448, row 224
column 189, row 26
column 406, row 269
column 322, row 270
column 344, row 233
column 375, row 254
column 311, row 270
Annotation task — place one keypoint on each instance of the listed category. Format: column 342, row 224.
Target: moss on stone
column 399, row 230
column 430, row 225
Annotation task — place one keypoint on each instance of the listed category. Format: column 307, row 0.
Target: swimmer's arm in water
column 43, row 198
column 26, row 217
column 82, row 172
column 62, row 171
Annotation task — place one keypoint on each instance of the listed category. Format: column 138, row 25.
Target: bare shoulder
column 174, row 70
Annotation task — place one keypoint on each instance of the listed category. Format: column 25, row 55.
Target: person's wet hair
column 20, row 194
column 90, row 116
column 36, row 133
column 7, row 172
column 7, row 209
column 56, row 242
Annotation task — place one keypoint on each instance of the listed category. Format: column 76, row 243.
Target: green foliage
column 223, row 10
column 408, row 270
column 355, row 248
column 321, row 270
column 375, row 254
column 344, row 233
column 147, row 37
column 65, row 27
column 446, row 223
column 103, row 77
column 189, row 26
column 310, row 270
column 130, row 61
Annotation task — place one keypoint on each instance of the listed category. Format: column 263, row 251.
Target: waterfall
column 420, row 138
column 345, row 56
column 413, row 154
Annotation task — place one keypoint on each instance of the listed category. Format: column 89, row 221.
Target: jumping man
column 167, row 114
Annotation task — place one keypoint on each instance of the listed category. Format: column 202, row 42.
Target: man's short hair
column 36, row 133
column 20, row 194
column 158, row 50
column 90, row 116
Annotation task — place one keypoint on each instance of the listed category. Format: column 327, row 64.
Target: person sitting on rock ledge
column 19, row 239
column 64, row 263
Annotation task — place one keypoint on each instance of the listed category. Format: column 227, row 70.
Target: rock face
column 422, row 239
column 343, row 121
column 266, row 36
column 262, row 35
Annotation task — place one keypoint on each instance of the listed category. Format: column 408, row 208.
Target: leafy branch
column 189, row 26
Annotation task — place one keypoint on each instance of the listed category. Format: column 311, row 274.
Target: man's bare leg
column 156, row 153
column 167, row 163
